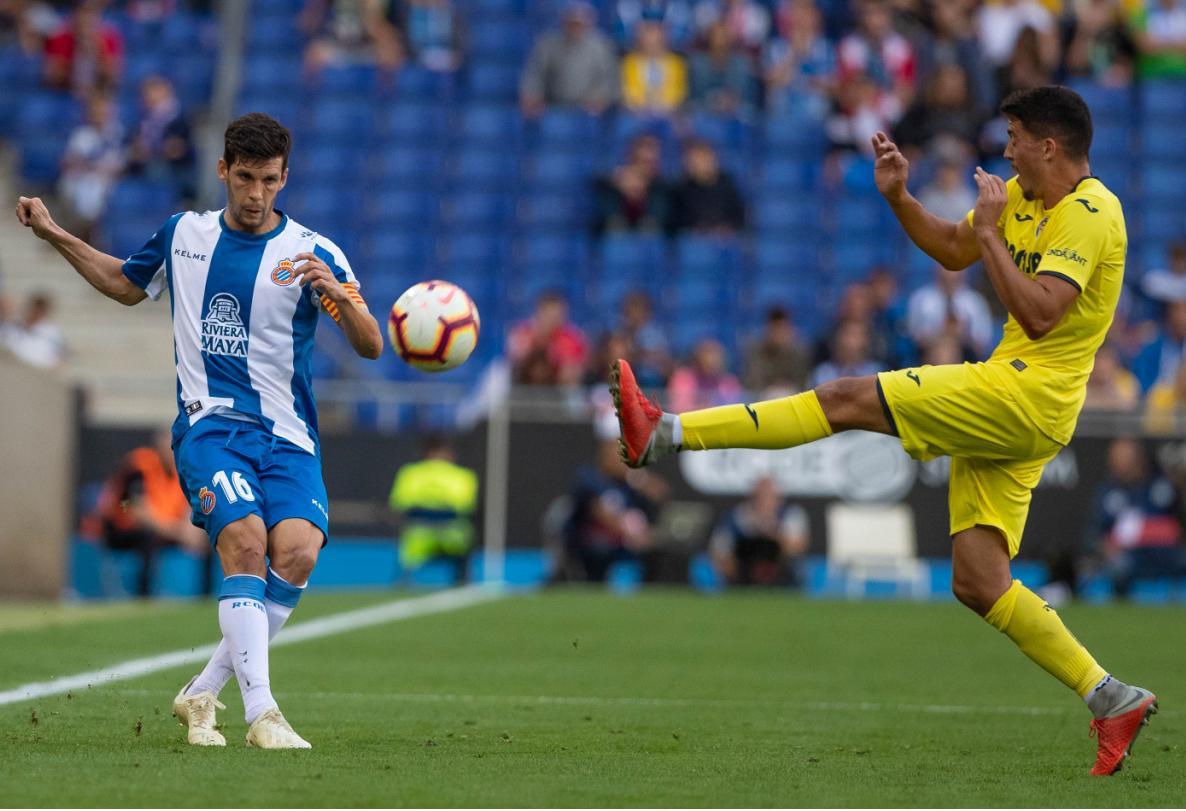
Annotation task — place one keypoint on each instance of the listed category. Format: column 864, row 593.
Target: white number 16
column 240, row 486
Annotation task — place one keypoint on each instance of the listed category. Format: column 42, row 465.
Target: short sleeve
column 1076, row 240
column 146, row 267
column 332, row 255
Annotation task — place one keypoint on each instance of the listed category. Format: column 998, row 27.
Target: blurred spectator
column 778, row 363
column 762, row 541
column 944, row 350
column 1101, row 47
column 705, row 200
column 547, row 349
column 1136, row 527
column 432, row 29
column 651, row 358
column 611, row 346
column 348, row 32
column 1111, row 387
column 1159, row 29
column 850, row 356
column 633, row 197
column 1165, row 406
column 1168, row 284
column 162, row 148
column 722, row 80
column 1027, row 67
column 948, row 306
column 676, row 16
column 613, row 513
column 1159, row 359
column 948, row 195
column 93, row 160
column 24, row 24
column 654, row 79
column 572, row 67
column 747, row 21
column 858, row 304
column 85, row 53
column 801, row 64
column 877, row 76
column 435, row 499
column 890, row 340
column 999, row 26
column 945, row 109
column 35, row 338
column 952, row 41
column 704, row 381
column 143, row 509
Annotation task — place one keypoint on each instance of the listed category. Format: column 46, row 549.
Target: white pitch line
column 438, row 602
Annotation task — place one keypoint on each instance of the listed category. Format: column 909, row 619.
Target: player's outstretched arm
column 348, row 308
column 951, row 244
column 102, row 271
column 1037, row 302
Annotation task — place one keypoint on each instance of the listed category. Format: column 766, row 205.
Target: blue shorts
column 231, row 468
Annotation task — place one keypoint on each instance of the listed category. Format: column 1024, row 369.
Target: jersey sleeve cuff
column 1062, row 276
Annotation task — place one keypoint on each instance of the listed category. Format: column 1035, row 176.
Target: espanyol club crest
column 283, row 273
column 206, row 500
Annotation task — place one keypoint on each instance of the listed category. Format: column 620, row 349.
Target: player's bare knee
column 852, row 403
column 242, row 546
column 295, row 564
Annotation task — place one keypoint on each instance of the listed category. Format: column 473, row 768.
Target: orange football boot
column 1118, row 732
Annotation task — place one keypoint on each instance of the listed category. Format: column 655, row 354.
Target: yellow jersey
column 1081, row 240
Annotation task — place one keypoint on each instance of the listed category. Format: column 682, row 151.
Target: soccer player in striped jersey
column 246, row 285
column 1053, row 242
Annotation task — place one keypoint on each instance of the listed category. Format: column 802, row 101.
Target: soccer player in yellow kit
column 1052, row 240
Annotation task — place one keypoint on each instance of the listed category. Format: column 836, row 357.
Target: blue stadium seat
column 499, row 39
column 795, row 259
column 855, row 259
column 274, row 34
column 285, row 108
column 569, row 127
column 554, row 212
column 780, row 213
column 1106, row 103
column 389, row 248
column 484, row 167
column 414, row 83
column 410, row 123
column 550, row 169
column 793, row 135
column 859, row 215
column 268, row 70
column 346, row 81
column 1111, row 139
column 1163, row 141
column 1163, row 99
column 138, row 195
column 402, row 207
column 494, row 83
column 631, row 253
column 127, row 233
column 480, row 251
column 476, row 210
column 490, row 124
column 782, row 174
column 329, row 161
column 1159, row 224
column 412, row 165
column 338, row 120
column 698, row 258
column 1162, row 182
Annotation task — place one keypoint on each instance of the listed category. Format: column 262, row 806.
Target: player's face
column 251, row 190
column 1025, row 152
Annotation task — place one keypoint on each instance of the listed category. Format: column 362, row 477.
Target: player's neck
column 1063, row 183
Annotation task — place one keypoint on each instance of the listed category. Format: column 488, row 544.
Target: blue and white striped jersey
column 242, row 328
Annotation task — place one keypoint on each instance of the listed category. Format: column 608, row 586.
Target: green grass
column 583, row 699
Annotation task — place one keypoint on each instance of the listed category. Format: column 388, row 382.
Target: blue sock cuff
column 281, row 592
column 242, row 585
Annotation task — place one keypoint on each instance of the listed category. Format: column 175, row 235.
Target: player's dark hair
column 1053, row 112
column 256, row 138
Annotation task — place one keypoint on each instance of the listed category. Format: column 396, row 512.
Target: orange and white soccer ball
column 434, row 326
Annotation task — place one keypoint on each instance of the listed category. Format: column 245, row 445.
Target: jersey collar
column 227, row 230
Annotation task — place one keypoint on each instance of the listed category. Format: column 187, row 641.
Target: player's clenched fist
column 32, row 213
column 991, row 200
column 891, row 168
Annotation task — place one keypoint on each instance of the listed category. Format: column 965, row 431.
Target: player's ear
column 223, row 169
column 283, row 179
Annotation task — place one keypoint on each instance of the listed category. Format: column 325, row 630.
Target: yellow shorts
column 966, row 412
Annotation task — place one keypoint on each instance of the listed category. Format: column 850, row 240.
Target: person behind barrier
column 436, row 498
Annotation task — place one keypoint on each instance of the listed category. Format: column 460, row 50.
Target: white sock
column 244, row 624
column 280, row 599
column 677, row 432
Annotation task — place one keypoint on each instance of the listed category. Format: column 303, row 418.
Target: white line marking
column 435, row 603
column 639, row 701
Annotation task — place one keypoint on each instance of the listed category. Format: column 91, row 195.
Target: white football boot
column 271, row 731
column 197, row 713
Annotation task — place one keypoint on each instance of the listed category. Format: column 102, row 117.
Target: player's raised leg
column 648, row 433
column 981, row 580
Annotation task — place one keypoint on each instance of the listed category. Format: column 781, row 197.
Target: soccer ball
column 434, row 326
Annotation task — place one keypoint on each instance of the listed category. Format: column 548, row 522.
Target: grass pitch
column 585, row 699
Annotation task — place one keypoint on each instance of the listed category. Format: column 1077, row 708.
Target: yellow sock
column 782, row 423
column 1034, row 626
